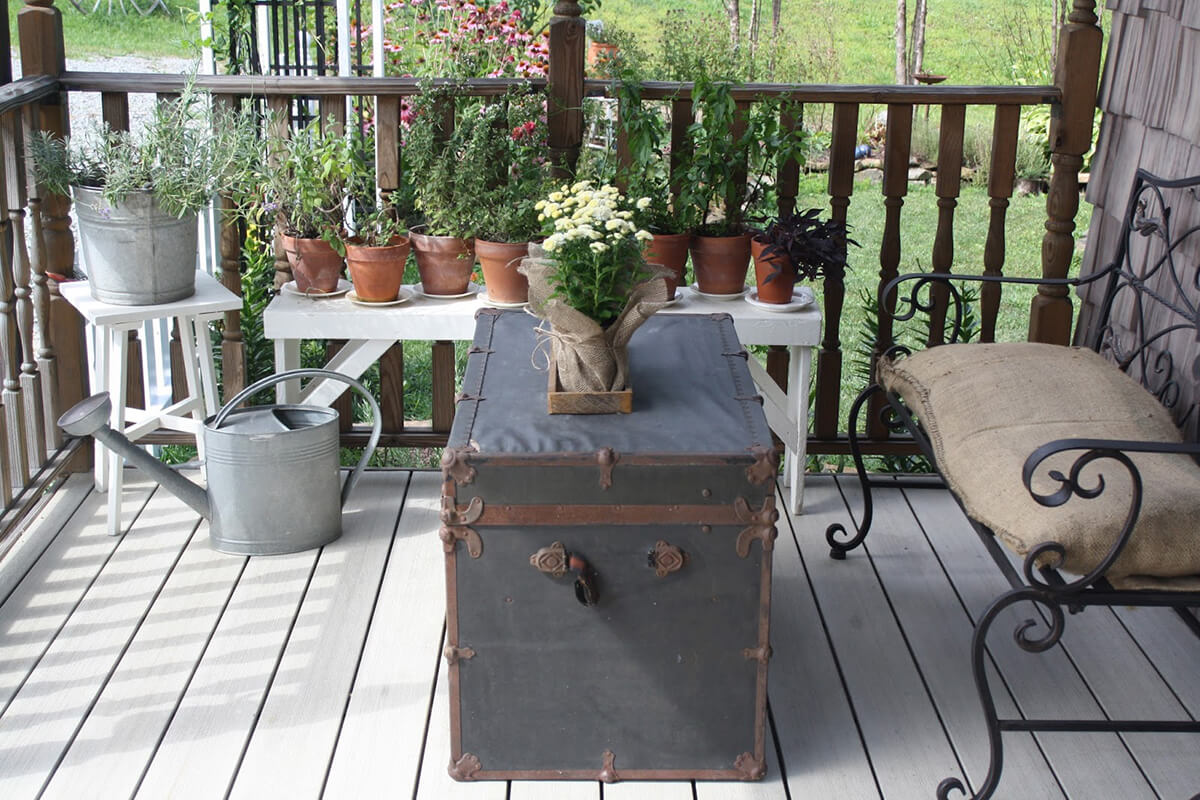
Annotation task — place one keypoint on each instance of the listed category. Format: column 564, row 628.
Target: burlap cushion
column 986, row 407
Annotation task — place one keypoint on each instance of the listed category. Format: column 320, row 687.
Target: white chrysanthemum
column 643, row 203
column 552, row 242
column 643, row 236
column 598, row 247
column 539, row 205
column 612, row 225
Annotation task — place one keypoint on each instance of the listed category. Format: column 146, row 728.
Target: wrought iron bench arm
column 1051, row 553
column 912, row 302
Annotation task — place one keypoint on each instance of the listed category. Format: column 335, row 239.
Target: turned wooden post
column 1076, row 74
column 280, row 127
column 565, row 87
column 1000, row 187
column 231, row 237
column 47, row 363
column 949, row 180
column 829, row 358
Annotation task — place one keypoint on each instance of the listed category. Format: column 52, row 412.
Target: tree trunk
column 901, row 42
column 776, row 11
column 755, row 15
column 733, row 11
column 1058, row 18
column 918, row 39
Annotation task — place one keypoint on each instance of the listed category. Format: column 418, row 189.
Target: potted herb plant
column 137, row 196
column 589, row 280
column 716, row 204
column 305, row 180
column 446, row 188
column 798, row 245
column 510, row 175
column 377, row 251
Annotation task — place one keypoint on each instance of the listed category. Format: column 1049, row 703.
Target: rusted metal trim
column 607, row 458
column 608, row 772
column 585, row 459
column 761, row 525
column 729, row 774
column 666, row 558
column 764, row 648
column 452, row 641
column 497, row 514
column 551, row 560
column 717, row 316
column 488, row 311
column 455, row 465
column 750, row 766
column 455, row 654
column 453, row 514
column 761, row 654
column 466, row 768
column 450, row 535
column 765, row 467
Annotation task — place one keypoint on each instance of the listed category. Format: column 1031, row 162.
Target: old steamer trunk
column 609, row 577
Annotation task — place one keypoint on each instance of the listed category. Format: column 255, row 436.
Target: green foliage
column 182, row 155
column 712, row 200
column 483, row 179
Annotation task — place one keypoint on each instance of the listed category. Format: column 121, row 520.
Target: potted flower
column 715, row 202
column 798, row 245
column 510, row 175
column 588, row 279
column 305, row 180
column 447, row 184
column 602, row 49
column 137, row 197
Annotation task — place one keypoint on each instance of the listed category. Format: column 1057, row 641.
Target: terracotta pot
column 599, row 54
column 377, row 272
column 777, row 289
column 670, row 250
column 316, row 266
column 720, row 263
column 444, row 262
column 499, row 261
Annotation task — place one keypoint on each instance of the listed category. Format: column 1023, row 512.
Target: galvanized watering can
column 272, row 470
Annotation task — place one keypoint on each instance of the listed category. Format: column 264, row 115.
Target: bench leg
column 834, row 533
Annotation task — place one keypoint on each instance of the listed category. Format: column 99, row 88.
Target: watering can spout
column 90, row 418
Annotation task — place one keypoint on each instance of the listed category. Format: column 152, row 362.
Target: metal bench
column 1081, row 460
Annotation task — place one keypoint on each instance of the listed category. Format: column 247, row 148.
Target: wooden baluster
column 231, row 238
column 47, row 364
column 34, row 431
column 443, row 385
column 682, row 116
column 114, row 109
column 1001, row 174
column 565, row 87
column 280, row 108
column 791, row 119
column 16, row 466
column 391, row 388
column 895, row 187
column 333, row 106
column 949, row 180
column 624, row 156
column 1076, row 74
column 829, row 358
column 179, row 389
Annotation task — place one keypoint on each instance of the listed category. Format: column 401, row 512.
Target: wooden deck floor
column 148, row 665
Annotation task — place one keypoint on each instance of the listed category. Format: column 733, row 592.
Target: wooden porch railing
column 1072, row 98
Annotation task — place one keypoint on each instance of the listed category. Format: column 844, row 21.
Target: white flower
column 598, row 247
column 612, row 225
column 643, row 203
column 552, row 242
column 643, row 236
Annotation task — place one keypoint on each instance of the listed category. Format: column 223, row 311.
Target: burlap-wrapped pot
column 589, row 358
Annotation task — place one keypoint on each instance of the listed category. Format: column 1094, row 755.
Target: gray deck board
column 147, row 665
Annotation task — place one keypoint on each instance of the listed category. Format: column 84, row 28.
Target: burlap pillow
column 986, row 407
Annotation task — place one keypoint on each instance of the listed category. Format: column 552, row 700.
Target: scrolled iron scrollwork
column 840, row 540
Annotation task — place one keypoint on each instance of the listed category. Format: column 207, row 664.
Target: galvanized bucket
column 135, row 254
column 273, row 472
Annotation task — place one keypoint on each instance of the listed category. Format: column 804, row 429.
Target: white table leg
column 799, row 366
column 118, row 369
column 352, row 360
column 195, row 353
column 287, row 357
column 98, row 343
column 208, row 370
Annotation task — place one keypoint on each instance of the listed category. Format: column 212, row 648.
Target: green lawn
column 103, row 34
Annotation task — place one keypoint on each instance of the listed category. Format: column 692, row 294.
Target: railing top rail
column 26, row 90
column 659, row 90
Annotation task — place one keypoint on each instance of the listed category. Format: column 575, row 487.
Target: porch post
column 565, row 95
column 40, row 33
column 1077, row 74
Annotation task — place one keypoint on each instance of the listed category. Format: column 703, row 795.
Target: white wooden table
column 110, row 355
column 369, row 332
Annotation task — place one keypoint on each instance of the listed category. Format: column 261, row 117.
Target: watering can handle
column 271, row 380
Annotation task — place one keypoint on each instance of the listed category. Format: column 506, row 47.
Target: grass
column 116, row 34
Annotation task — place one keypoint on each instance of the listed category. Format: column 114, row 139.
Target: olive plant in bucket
column 138, row 194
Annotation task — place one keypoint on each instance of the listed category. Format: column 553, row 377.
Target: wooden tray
column 560, row 402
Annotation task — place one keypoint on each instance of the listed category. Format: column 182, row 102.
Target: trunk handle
column 271, row 380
